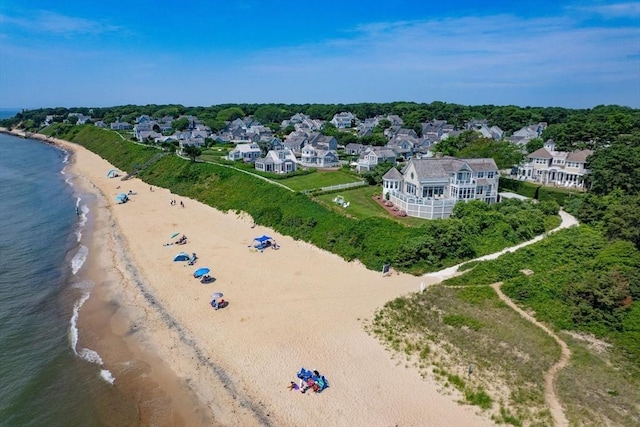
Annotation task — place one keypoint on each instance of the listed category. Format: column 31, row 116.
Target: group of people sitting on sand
column 218, row 304
column 182, row 240
column 309, row 380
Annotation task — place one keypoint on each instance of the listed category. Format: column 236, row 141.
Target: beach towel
column 324, row 380
column 304, row 374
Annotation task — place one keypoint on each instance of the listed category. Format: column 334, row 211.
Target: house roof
column 579, row 156
column 392, row 173
column 541, row 153
column 442, row 167
column 481, row 164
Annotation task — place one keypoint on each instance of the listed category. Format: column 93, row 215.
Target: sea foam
column 82, row 211
column 87, row 354
column 79, row 258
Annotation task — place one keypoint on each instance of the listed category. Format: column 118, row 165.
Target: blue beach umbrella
column 201, row 272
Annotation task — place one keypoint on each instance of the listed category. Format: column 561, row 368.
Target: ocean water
column 46, row 377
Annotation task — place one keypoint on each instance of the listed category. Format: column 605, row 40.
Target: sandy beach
column 288, row 308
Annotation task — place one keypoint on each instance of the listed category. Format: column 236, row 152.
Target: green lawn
column 362, row 206
column 319, row 179
column 215, row 153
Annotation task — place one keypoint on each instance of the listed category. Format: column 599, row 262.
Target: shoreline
column 298, row 306
column 108, row 322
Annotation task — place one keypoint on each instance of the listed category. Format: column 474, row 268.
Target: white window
column 481, row 174
column 432, row 191
column 466, row 193
column 490, row 174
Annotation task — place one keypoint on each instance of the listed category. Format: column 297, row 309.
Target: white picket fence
column 339, row 187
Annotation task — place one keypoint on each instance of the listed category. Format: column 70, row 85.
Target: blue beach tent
column 263, row 241
column 122, row 198
column 182, row 256
column 112, row 173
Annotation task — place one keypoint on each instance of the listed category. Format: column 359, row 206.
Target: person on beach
column 214, row 304
column 293, row 386
column 181, row 204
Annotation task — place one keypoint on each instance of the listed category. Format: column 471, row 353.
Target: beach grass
column 449, row 328
column 469, row 340
column 600, row 386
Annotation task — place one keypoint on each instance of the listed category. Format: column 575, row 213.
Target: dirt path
column 550, row 396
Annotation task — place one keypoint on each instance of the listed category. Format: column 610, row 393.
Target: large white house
column 247, row 152
column 318, row 157
column 561, row 168
column 344, row 120
column 429, row 188
column 277, row 161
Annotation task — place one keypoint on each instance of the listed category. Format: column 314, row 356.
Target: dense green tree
column 622, row 220
column 345, row 138
column 230, row 114
column 533, row 145
column 453, row 144
column 192, row 152
column 329, row 129
column 376, row 140
column 505, row 153
column 616, row 166
column 271, row 114
column 374, row 177
column 180, row 124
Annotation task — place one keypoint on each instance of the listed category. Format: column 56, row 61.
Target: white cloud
column 54, row 23
column 501, row 50
column 616, row 10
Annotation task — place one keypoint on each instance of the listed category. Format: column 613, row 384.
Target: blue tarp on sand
column 122, row 198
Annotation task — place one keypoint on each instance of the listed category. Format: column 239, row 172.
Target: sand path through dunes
column 550, row 395
column 567, row 221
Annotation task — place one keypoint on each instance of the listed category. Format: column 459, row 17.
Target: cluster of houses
column 428, row 185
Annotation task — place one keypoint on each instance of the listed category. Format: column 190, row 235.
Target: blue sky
column 200, row 53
